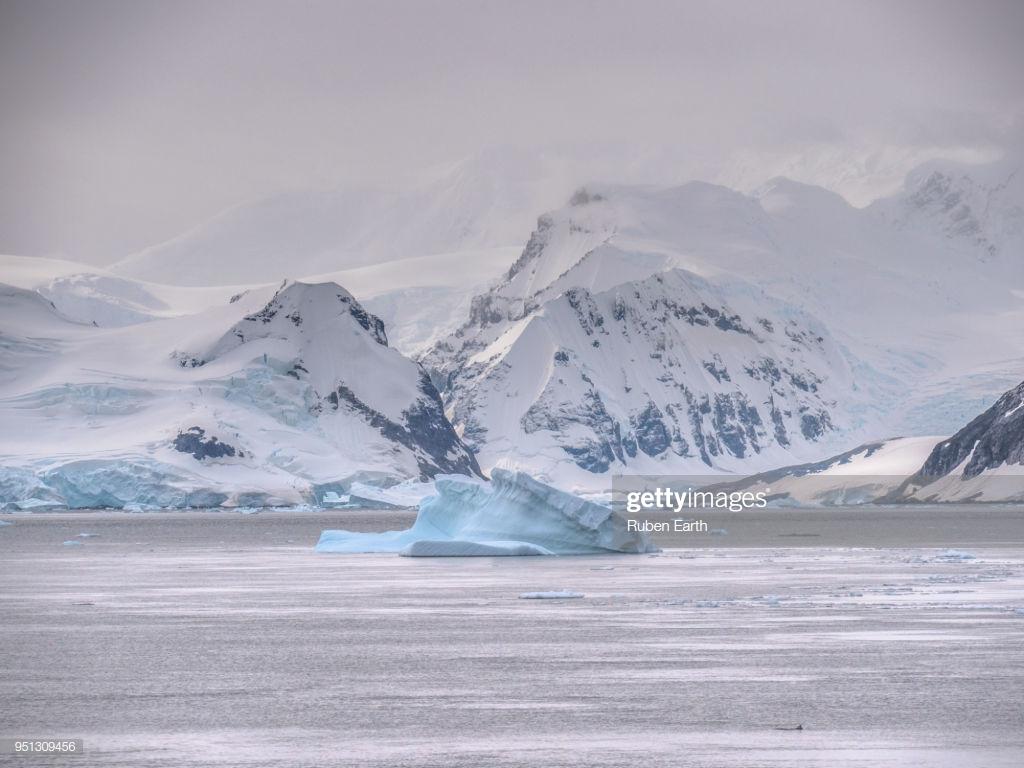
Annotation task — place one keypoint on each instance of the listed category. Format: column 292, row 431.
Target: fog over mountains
column 624, row 329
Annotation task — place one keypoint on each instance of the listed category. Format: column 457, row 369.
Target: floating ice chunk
column 85, row 535
column 718, row 532
column 563, row 595
column 955, row 555
column 455, row 548
column 512, row 508
column 72, row 543
column 5, row 522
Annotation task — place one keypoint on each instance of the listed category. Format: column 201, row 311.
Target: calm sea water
column 213, row 638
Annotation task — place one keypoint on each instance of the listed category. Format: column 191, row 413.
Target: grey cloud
column 125, row 122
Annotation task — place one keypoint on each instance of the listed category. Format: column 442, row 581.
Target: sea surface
column 221, row 639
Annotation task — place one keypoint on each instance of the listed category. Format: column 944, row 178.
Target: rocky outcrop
column 993, row 439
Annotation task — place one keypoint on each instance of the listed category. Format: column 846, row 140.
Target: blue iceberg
column 513, row 514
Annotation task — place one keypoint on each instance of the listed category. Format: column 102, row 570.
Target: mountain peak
column 315, row 305
column 980, row 205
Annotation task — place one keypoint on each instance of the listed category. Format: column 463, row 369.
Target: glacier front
column 513, row 514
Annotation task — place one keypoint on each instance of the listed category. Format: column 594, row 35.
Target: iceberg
column 513, row 514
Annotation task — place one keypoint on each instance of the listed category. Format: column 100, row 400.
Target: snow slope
column 859, row 476
column 562, row 360
column 271, row 397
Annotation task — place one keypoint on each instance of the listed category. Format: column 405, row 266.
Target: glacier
column 513, row 514
column 270, row 397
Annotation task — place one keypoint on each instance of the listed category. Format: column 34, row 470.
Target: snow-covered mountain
column 688, row 329
column 981, row 208
column 271, row 397
column 984, row 461
column 658, row 374
column 596, row 354
column 694, row 328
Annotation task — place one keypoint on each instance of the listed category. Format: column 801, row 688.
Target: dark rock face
column 814, row 425
column 995, row 437
column 716, row 369
column 186, row 360
column 424, row 430
column 652, row 436
column 371, row 323
column 592, row 454
column 534, row 246
column 192, row 441
column 587, row 311
column 582, row 197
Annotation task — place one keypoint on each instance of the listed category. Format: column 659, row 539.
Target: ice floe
column 954, row 556
column 556, row 595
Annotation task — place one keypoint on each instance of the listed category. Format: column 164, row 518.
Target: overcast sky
column 125, row 122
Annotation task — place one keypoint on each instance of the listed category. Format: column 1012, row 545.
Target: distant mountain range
column 686, row 329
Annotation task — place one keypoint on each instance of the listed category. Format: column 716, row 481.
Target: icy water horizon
column 221, row 639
